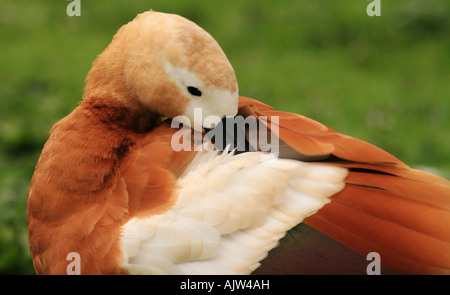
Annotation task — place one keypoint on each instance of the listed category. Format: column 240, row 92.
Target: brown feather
column 311, row 138
column 405, row 220
column 307, row 251
column 386, row 207
column 81, row 194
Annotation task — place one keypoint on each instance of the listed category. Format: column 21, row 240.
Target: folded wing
column 386, row 207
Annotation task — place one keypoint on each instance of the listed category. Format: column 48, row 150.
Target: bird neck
column 91, row 142
column 117, row 115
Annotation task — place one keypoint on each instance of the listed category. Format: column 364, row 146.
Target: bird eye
column 194, row 91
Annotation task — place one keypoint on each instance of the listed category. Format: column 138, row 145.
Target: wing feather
column 386, row 207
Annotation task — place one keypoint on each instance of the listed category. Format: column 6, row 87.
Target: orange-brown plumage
column 387, row 207
column 111, row 161
column 82, row 193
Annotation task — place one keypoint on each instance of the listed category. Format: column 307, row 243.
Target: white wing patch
column 231, row 211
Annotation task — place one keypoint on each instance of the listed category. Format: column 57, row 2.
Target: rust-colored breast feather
column 93, row 176
column 386, row 207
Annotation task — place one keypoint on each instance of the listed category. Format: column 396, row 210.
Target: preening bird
column 113, row 185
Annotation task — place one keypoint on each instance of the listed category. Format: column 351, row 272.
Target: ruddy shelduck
column 110, row 186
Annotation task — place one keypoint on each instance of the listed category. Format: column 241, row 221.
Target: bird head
column 169, row 66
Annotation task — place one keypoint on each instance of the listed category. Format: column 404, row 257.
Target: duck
column 141, row 179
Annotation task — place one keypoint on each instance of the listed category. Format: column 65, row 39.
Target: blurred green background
column 384, row 79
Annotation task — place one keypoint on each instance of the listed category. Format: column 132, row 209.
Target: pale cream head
column 168, row 65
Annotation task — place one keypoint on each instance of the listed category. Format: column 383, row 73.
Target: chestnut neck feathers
column 112, row 127
column 115, row 115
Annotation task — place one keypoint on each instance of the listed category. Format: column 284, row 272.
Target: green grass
column 382, row 79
